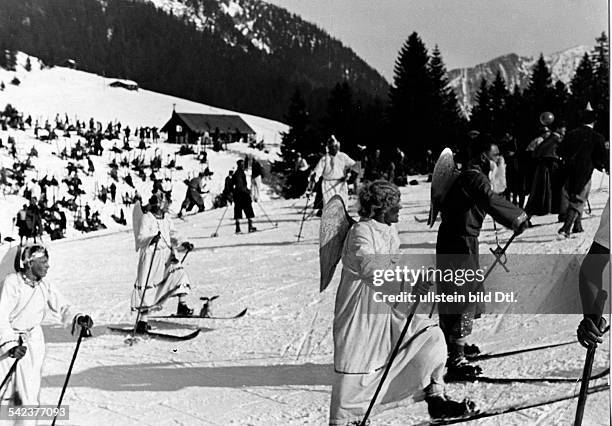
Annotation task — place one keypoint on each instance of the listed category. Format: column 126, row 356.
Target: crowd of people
column 52, row 200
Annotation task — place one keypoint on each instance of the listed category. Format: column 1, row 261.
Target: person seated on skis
column 365, row 330
column 25, row 299
column 157, row 242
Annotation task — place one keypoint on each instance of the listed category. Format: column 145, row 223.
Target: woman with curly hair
column 366, row 329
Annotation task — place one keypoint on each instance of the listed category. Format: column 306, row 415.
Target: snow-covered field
column 274, row 366
column 43, row 93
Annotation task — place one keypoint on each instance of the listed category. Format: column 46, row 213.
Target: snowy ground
column 43, row 93
column 274, row 366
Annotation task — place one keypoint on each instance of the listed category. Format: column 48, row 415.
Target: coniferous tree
column 538, row 94
column 297, row 139
column 28, row 65
column 498, row 97
column 560, row 102
column 601, row 84
column 410, row 97
column 481, row 115
column 581, row 87
column 446, row 117
column 340, row 117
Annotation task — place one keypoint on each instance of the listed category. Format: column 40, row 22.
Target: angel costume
column 23, row 305
column 365, row 333
column 167, row 277
column 332, row 169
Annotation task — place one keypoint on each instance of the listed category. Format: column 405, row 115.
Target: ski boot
column 251, row 227
column 441, row 406
column 458, row 367
column 238, row 230
column 142, row 327
column 471, row 351
column 183, row 310
column 577, row 228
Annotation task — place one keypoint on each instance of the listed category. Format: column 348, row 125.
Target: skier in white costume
column 333, row 168
column 25, row 298
column 167, row 277
column 365, row 331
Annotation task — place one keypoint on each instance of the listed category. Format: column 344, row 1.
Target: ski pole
column 304, row 215
column 83, row 333
column 215, row 234
column 588, row 362
column 8, row 378
column 185, row 255
column 388, row 367
column 498, row 255
column 144, row 290
column 266, row 215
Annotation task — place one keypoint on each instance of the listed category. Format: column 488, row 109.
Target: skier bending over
column 366, row 331
column 25, row 298
column 157, row 241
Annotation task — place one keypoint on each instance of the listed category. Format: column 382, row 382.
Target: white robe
column 166, row 279
column 365, row 332
column 22, row 310
column 333, row 169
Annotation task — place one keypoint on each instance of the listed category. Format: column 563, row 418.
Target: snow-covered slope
column 43, row 93
column 516, row 71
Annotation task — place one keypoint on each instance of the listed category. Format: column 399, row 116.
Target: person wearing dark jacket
column 193, row 196
column 242, row 198
column 545, row 195
column 582, row 150
column 464, row 208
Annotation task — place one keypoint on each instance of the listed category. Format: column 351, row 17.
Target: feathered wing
column 444, row 175
column 335, row 224
column 137, row 214
column 7, row 262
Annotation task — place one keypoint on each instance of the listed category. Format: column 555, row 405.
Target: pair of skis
column 174, row 337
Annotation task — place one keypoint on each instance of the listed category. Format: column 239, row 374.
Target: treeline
column 421, row 112
column 216, row 64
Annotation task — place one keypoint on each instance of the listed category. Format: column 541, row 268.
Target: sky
column 468, row 32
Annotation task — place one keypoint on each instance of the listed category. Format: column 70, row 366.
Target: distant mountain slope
column 515, row 70
column 244, row 55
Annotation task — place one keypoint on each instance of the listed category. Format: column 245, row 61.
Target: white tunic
column 365, row 332
column 23, row 306
column 166, row 279
column 333, row 169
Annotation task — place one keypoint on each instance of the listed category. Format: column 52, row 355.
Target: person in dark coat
column 582, row 150
column 373, row 167
column 242, row 198
column 515, row 176
column 464, row 208
column 545, row 194
column 193, row 197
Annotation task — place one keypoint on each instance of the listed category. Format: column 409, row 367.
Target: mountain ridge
column 515, row 69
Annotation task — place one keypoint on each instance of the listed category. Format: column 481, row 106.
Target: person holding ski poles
column 590, row 283
column 366, row 330
column 25, row 298
column 159, row 271
column 333, row 168
column 468, row 201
